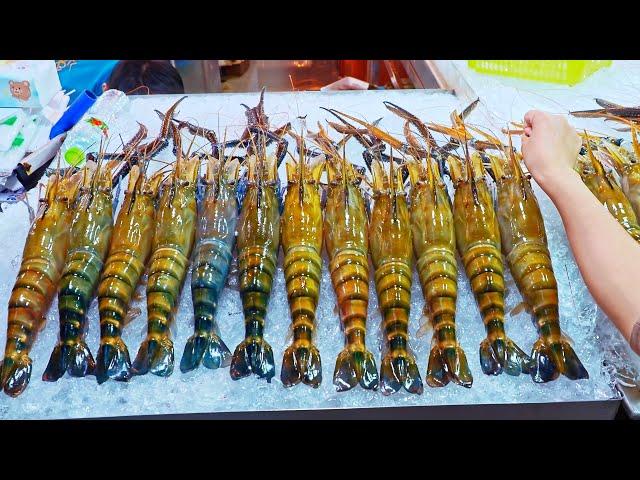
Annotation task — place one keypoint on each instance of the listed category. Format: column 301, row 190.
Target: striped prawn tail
column 254, row 354
column 438, row 272
column 498, row 353
column 15, row 368
column 208, row 276
column 301, row 361
column 119, row 280
column 71, row 354
column 399, row 368
column 30, row 294
column 550, row 359
column 15, row 373
column 166, row 273
column 552, row 354
column 350, row 277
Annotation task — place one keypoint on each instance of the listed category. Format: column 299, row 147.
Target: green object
column 19, row 140
column 9, row 121
column 74, row 156
column 567, row 72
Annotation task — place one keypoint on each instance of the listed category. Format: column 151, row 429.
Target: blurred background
column 200, row 76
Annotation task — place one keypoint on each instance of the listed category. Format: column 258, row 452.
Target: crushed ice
column 596, row 342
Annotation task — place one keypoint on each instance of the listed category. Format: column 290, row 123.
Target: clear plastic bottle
column 104, row 121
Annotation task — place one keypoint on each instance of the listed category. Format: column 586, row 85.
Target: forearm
column 608, row 258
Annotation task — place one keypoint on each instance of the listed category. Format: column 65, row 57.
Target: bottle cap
column 74, row 156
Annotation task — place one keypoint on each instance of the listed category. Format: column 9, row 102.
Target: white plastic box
column 28, row 83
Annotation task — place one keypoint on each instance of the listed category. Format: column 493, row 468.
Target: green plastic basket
column 567, row 72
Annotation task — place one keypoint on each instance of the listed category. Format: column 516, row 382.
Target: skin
column 610, row 259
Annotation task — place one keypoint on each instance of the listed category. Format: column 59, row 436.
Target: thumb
column 529, row 117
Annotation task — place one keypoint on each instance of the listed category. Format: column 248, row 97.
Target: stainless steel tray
column 177, row 396
column 588, row 410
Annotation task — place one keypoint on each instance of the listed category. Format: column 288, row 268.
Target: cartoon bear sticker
column 20, row 90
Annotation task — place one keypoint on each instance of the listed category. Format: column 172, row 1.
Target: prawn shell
column 607, row 190
column 434, row 244
column 40, row 270
column 258, row 242
column 392, row 255
column 129, row 253
column 301, row 238
column 173, row 241
column 524, row 243
column 215, row 240
column 479, row 243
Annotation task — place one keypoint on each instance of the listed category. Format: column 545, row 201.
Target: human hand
column 550, row 147
column 347, row 83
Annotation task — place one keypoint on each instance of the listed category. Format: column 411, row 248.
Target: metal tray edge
column 582, row 410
